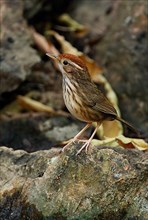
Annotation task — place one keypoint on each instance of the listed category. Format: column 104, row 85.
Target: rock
column 107, row 183
column 61, row 134
column 17, row 56
column 36, row 131
column 35, row 9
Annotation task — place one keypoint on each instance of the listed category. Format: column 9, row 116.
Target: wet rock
column 17, row 56
column 107, row 183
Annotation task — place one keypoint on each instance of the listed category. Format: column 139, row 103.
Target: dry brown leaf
column 132, row 142
column 65, row 18
column 66, row 47
column 34, row 105
column 108, row 129
column 123, row 141
column 93, row 68
column 72, row 24
column 109, row 142
column 42, row 43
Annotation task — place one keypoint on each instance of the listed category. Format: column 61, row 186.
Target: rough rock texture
column 108, row 183
column 36, row 131
column 17, row 57
column 118, row 41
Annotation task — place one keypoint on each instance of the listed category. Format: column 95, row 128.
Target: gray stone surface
column 107, row 183
column 16, row 54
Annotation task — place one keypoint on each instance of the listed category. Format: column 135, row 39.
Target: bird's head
column 71, row 66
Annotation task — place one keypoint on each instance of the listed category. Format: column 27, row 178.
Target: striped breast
column 72, row 100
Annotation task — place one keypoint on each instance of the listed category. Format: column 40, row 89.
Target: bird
column 82, row 97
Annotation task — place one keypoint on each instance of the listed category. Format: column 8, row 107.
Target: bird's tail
column 129, row 125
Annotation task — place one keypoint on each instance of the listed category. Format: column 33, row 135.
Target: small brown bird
column 82, row 97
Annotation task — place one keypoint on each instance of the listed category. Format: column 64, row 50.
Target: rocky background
column 36, row 180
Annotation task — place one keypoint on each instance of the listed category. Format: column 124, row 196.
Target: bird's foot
column 76, row 137
column 74, row 140
column 67, row 145
column 86, row 146
column 82, row 140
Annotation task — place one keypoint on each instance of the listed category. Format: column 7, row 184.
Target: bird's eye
column 65, row 62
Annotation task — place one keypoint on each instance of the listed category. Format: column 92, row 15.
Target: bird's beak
column 52, row 57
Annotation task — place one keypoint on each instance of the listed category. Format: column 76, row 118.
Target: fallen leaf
column 34, row 105
column 72, row 24
column 132, row 142
column 123, row 141
column 110, row 128
column 111, row 142
column 66, row 47
column 94, row 70
column 43, row 44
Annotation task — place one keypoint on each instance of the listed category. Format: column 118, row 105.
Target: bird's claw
column 86, row 146
column 80, row 140
column 74, row 142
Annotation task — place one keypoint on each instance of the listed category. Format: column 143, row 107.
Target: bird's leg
column 76, row 137
column 86, row 145
column 81, row 132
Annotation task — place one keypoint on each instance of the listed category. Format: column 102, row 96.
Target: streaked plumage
column 82, row 97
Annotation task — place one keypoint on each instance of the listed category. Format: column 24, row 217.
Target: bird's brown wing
column 97, row 100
